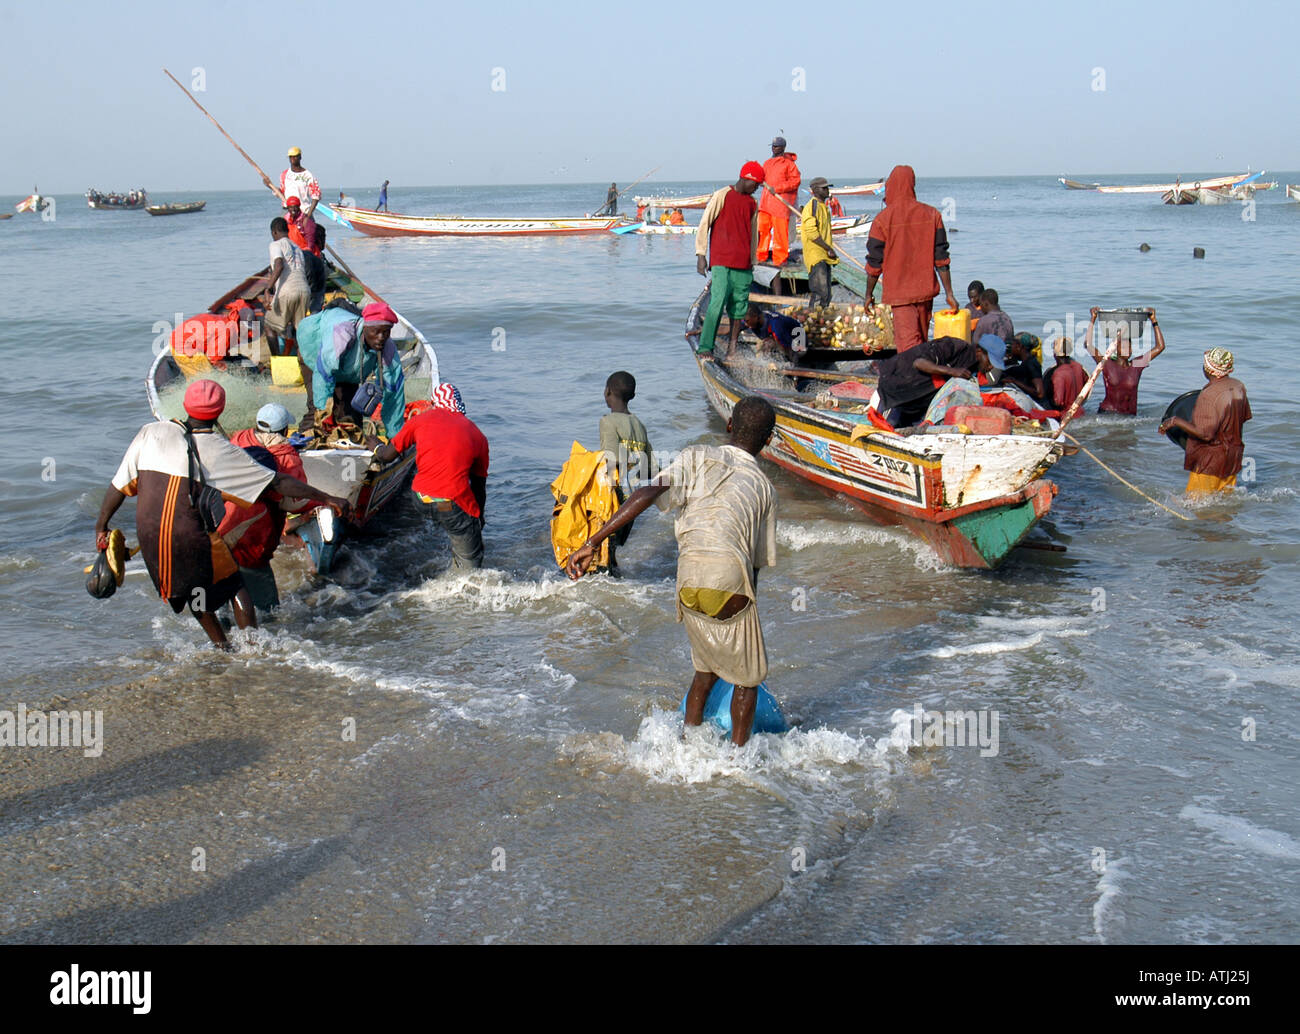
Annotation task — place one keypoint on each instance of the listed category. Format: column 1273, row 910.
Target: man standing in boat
column 382, row 205
column 815, row 233
column 1214, row 447
column 180, row 473
column 610, row 207
column 909, row 245
column 1121, row 374
column 296, row 181
column 726, row 531
column 728, row 234
column 781, row 175
column 290, row 294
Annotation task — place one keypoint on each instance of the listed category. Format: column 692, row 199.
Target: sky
column 509, row 92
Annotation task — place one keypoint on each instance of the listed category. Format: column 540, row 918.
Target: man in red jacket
column 781, row 176
column 909, row 244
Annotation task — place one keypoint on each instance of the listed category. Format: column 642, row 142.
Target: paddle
column 273, row 188
column 601, row 209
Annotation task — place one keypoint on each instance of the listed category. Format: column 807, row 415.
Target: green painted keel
column 995, row 533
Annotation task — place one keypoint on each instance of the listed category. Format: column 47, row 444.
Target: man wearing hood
column 781, row 176
column 909, row 245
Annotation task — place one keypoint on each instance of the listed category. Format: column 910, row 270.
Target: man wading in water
column 726, row 531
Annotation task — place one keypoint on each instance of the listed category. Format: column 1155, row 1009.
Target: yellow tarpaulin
column 584, row 502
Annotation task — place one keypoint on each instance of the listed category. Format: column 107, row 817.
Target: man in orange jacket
column 781, row 176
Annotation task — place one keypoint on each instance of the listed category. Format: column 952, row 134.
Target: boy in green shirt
column 626, row 444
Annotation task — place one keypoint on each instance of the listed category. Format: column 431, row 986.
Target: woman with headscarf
column 1214, row 446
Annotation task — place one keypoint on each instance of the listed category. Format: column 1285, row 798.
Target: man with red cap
column 909, row 245
column 728, row 234
column 181, row 473
column 781, row 176
column 309, row 237
column 355, row 350
column 451, row 466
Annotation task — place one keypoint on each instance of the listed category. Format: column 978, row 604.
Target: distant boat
column 694, row 201
column 6, row 215
column 1208, row 196
column 390, row 224
column 1293, row 192
column 864, row 188
column 32, row 203
column 1179, row 197
column 1069, row 184
column 130, row 201
column 1163, row 188
column 178, row 208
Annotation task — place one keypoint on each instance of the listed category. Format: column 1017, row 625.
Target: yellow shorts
column 1200, row 484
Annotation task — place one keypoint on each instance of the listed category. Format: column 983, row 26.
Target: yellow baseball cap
column 295, row 152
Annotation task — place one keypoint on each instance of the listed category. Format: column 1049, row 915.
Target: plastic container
column 953, row 324
column 980, row 419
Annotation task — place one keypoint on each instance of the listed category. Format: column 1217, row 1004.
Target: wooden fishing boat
column 851, row 225
column 862, row 188
column 1209, row 196
column 656, row 229
column 32, row 203
column 343, row 469
column 1161, row 188
column 176, row 208
column 1180, row 197
column 972, row 498
column 1293, row 192
column 129, row 202
column 6, row 215
column 1070, row 184
column 694, row 201
column 391, row 224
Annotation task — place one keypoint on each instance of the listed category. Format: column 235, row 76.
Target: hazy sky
column 598, row 92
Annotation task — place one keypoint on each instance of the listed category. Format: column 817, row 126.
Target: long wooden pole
column 635, row 182
column 1084, row 392
column 841, row 251
column 271, row 186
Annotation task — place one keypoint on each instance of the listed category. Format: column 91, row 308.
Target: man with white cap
column 451, row 467
column 181, row 473
column 1214, row 446
column 297, row 181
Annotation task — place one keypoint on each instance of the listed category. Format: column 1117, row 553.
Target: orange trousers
column 773, row 237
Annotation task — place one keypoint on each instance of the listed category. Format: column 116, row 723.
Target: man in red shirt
column 909, row 244
column 1121, row 374
column 1066, row 379
column 451, row 466
column 728, row 233
column 781, row 175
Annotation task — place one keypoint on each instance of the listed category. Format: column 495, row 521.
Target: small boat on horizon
column 1070, row 184
column 176, row 208
column 131, row 201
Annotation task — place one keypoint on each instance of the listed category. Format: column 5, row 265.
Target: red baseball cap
column 204, row 400
column 752, row 171
column 292, row 202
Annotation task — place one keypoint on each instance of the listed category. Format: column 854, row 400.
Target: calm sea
column 517, row 772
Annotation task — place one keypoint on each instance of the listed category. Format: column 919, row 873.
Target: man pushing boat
column 181, row 473
column 726, row 531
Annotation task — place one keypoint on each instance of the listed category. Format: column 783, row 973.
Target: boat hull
column 179, row 209
column 971, row 498
column 387, row 224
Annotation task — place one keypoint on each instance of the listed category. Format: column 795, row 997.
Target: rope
column 1125, row 482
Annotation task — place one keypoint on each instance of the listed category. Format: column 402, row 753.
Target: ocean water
column 518, row 772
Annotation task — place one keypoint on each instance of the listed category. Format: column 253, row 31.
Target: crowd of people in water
column 211, row 511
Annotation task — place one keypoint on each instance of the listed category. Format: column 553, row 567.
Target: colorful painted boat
column 344, row 471
column 391, row 224
column 32, row 203
column 1161, row 188
column 864, row 188
column 130, row 202
column 694, row 201
column 972, row 498
column 177, row 208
